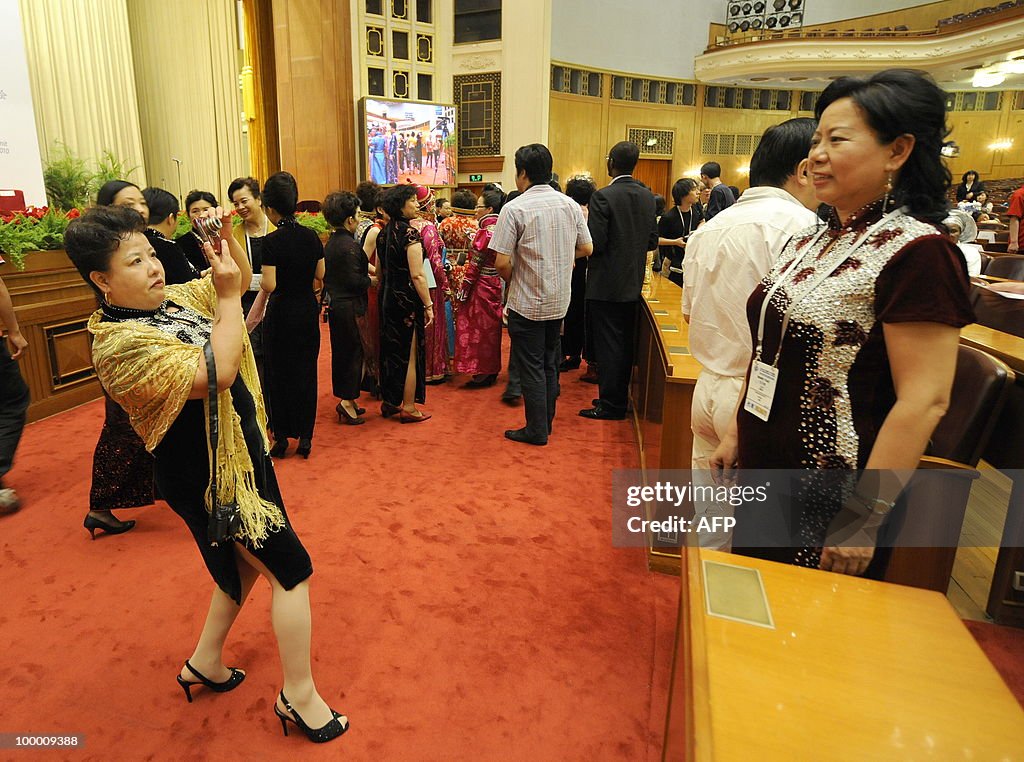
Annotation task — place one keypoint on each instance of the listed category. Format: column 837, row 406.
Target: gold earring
column 888, row 191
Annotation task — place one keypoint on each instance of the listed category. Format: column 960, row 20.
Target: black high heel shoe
column 237, row 676
column 345, row 417
column 118, row 527
column 328, row 732
column 305, row 447
column 279, row 449
column 387, row 409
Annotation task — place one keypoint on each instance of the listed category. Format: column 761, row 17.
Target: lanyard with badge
column 764, row 376
column 257, row 278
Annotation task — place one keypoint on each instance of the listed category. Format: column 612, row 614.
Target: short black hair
column 369, row 195
column 200, row 195
column 970, row 172
column 783, row 146
column 624, row 155
column 92, row 239
column 711, row 169
column 441, row 201
column 244, row 182
column 899, row 102
column 494, row 198
column 682, row 188
column 556, row 185
column 109, row 190
column 281, row 193
column 162, row 204
column 512, row 195
column 491, row 186
column 535, row 160
column 463, row 199
column 394, row 199
column 580, row 189
column 659, row 204
column 338, row 207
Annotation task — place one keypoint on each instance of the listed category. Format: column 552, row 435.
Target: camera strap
column 211, row 378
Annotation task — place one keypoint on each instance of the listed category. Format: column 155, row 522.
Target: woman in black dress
column 122, row 470
column 163, row 220
column 970, row 186
column 196, row 204
column 405, row 308
column 293, row 261
column 148, row 347
column 346, row 279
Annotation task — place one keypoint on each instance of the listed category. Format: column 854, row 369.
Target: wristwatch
column 875, row 505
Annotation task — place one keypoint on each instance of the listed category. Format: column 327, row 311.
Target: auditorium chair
column 986, row 260
column 1010, row 266
column 308, row 206
column 995, row 311
column 929, row 516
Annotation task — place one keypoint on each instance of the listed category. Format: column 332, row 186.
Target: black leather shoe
column 520, row 435
column 279, row 449
column 482, row 381
column 600, row 413
column 569, row 363
column 511, row 399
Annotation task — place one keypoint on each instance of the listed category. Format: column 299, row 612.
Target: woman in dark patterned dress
column 405, row 308
column 122, row 470
column 293, row 262
column 874, row 301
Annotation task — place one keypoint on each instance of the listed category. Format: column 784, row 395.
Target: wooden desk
column 662, row 390
column 853, row 670
column 1006, row 452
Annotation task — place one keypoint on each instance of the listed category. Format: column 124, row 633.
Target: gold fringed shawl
column 150, row 374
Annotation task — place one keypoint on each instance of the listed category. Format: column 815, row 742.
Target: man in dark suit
column 624, row 228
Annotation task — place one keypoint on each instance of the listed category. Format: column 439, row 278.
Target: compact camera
column 207, row 228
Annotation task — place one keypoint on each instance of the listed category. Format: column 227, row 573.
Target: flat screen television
column 409, row 141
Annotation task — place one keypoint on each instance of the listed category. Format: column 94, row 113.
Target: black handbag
column 225, row 518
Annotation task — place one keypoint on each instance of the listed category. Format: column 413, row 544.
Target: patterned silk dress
column 478, row 320
column 835, row 386
column 437, row 332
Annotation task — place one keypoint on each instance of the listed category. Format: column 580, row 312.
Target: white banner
column 20, row 165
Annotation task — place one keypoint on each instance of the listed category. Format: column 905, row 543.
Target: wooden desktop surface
column 663, row 300
column 1005, row 346
column 853, row 670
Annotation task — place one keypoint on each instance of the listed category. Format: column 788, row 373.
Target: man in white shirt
column 725, row 260
column 537, row 238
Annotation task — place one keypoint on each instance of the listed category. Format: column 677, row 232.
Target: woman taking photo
column 860, row 318
column 196, row 204
column 293, row 266
column 406, row 309
column 346, row 279
column 122, row 470
column 478, row 320
column 148, row 349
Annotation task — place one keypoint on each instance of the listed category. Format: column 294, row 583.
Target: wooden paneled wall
column 582, row 130
column 974, row 131
column 315, row 96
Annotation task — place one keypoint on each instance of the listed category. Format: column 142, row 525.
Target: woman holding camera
column 148, row 349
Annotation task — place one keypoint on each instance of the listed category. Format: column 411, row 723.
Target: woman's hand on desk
column 851, row 542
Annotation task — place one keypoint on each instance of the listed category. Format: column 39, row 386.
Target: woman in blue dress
column 377, row 171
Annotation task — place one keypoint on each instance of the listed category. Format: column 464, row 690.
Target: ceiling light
column 1013, row 67
column 988, row 78
column 1001, row 145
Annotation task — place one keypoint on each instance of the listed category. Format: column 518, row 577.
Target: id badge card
column 257, row 279
column 761, row 390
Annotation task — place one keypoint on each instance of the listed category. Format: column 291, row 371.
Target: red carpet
column 467, row 602
column 1004, row 647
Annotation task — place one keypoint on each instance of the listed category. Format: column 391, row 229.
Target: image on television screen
column 410, row 142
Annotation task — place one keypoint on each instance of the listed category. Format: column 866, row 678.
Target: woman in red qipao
column 478, row 319
column 433, row 249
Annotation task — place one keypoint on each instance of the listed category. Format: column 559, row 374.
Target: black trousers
column 14, row 399
column 346, row 349
column 537, row 354
column 573, row 332
column 613, row 326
